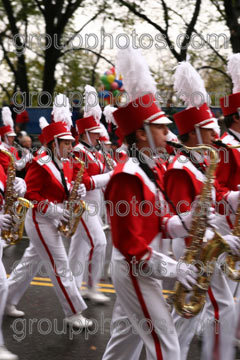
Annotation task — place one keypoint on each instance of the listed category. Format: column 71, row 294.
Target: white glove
column 159, row 266
column 233, row 198
column 101, row 180
column 234, row 243
column 57, row 212
column 187, row 274
column 26, row 158
column 81, row 192
column 5, row 221
column 175, row 227
column 20, row 186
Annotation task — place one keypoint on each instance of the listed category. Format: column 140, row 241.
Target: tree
column 229, row 12
column 136, row 9
column 56, row 18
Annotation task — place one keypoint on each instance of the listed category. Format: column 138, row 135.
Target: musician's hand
column 81, row 192
column 20, row 186
column 5, row 221
column 186, row 274
column 57, row 212
column 234, row 243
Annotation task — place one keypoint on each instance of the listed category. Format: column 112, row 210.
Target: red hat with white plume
column 108, row 113
column 230, row 104
column 190, row 88
column 141, row 89
column 8, row 128
column 60, row 128
column 92, row 113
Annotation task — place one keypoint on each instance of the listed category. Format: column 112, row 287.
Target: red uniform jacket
column 94, row 164
column 133, row 207
column 44, row 183
column 4, row 159
column 228, row 171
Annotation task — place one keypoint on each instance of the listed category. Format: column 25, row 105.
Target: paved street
column 41, row 335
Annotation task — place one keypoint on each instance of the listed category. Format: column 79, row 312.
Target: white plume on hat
column 108, row 113
column 7, row 116
column 233, row 69
column 217, row 127
column 61, row 110
column 190, row 86
column 91, row 100
column 137, row 79
column 104, row 132
column 43, row 122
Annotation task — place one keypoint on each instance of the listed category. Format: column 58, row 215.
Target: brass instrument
column 109, row 161
column 231, row 260
column 189, row 305
column 76, row 208
column 14, row 205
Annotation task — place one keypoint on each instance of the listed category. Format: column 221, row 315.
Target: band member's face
column 159, row 133
column 94, row 137
column 208, row 136
column 11, row 140
column 65, row 148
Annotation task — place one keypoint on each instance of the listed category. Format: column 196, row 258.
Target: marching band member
column 8, row 135
column 196, row 125
column 132, row 196
column 89, row 240
column 5, row 224
column 48, row 185
column 119, row 153
column 228, row 172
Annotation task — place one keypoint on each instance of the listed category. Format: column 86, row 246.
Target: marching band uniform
column 5, row 223
column 228, row 171
column 48, row 182
column 89, row 240
column 140, row 309
column 7, row 131
column 220, row 302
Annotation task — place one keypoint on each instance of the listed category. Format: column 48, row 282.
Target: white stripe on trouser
column 3, row 293
column 136, row 324
column 81, row 249
column 57, row 250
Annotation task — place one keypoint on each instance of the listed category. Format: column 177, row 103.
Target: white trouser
column 3, row 293
column 87, row 249
column 141, row 315
column 46, row 249
column 217, row 320
column 125, row 343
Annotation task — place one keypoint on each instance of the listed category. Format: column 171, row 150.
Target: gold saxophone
column 109, row 161
column 230, row 267
column 76, row 209
column 14, row 205
column 203, row 256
